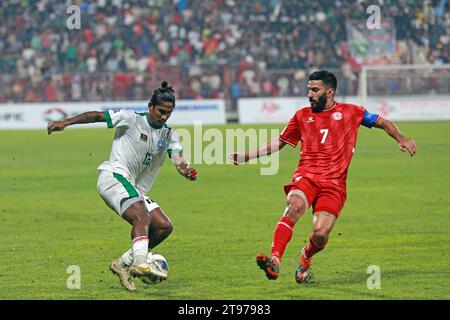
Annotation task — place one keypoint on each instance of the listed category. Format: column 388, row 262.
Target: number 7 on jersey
column 325, row 134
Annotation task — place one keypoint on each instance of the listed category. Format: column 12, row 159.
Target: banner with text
column 37, row 115
column 275, row 110
column 269, row 110
column 411, row 108
column 280, row 110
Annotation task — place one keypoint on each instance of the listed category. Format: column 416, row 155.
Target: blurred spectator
column 76, row 88
column 50, row 91
column 125, row 47
column 235, row 91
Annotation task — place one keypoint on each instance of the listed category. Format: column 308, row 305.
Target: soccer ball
column 158, row 267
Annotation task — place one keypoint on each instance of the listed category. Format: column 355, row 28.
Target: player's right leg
column 138, row 217
column 121, row 269
column 297, row 204
column 160, row 228
column 122, row 197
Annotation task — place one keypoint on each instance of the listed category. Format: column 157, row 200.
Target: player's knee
column 295, row 208
column 137, row 214
column 168, row 228
column 141, row 218
column 292, row 213
column 320, row 236
column 163, row 229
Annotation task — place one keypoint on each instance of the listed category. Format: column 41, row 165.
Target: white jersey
column 138, row 150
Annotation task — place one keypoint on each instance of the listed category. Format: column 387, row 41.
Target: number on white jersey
column 325, row 134
column 148, row 159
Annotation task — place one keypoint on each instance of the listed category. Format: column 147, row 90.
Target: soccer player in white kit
column 139, row 148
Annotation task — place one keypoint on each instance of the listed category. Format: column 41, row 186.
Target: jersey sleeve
column 291, row 133
column 174, row 144
column 120, row 118
column 369, row 119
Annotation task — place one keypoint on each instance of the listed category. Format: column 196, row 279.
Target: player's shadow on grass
column 167, row 290
column 341, row 281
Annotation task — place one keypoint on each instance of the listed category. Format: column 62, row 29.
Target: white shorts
column 119, row 194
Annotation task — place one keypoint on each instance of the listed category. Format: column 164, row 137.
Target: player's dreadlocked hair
column 163, row 94
column 327, row 77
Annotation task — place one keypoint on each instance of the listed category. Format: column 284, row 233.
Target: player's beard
column 160, row 123
column 319, row 105
column 155, row 123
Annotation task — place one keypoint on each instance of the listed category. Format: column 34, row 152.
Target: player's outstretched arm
column 270, row 147
column 86, row 117
column 182, row 165
column 405, row 144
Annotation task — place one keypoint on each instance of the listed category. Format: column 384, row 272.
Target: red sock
column 282, row 235
column 312, row 248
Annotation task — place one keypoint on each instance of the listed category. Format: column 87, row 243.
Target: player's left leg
column 327, row 207
column 160, row 228
column 323, row 224
column 322, row 227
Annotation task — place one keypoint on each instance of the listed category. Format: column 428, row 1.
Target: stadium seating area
column 205, row 49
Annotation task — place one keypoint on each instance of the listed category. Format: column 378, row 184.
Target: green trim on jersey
column 108, row 119
column 128, row 186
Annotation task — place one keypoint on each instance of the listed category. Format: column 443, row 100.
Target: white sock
column 127, row 258
column 140, row 249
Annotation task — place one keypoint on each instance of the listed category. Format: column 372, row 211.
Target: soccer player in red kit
column 327, row 131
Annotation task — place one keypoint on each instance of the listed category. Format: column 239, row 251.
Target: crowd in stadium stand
column 205, row 49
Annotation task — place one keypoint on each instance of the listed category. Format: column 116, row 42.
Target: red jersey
column 328, row 140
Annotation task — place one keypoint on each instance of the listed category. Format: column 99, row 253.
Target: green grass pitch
column 397, row 217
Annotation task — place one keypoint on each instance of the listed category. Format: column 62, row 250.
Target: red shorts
column 321, row 195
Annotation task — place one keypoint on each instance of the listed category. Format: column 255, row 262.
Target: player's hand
column 190, row 174
column 55, row 126
column 238, row 158
column 408, row 145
